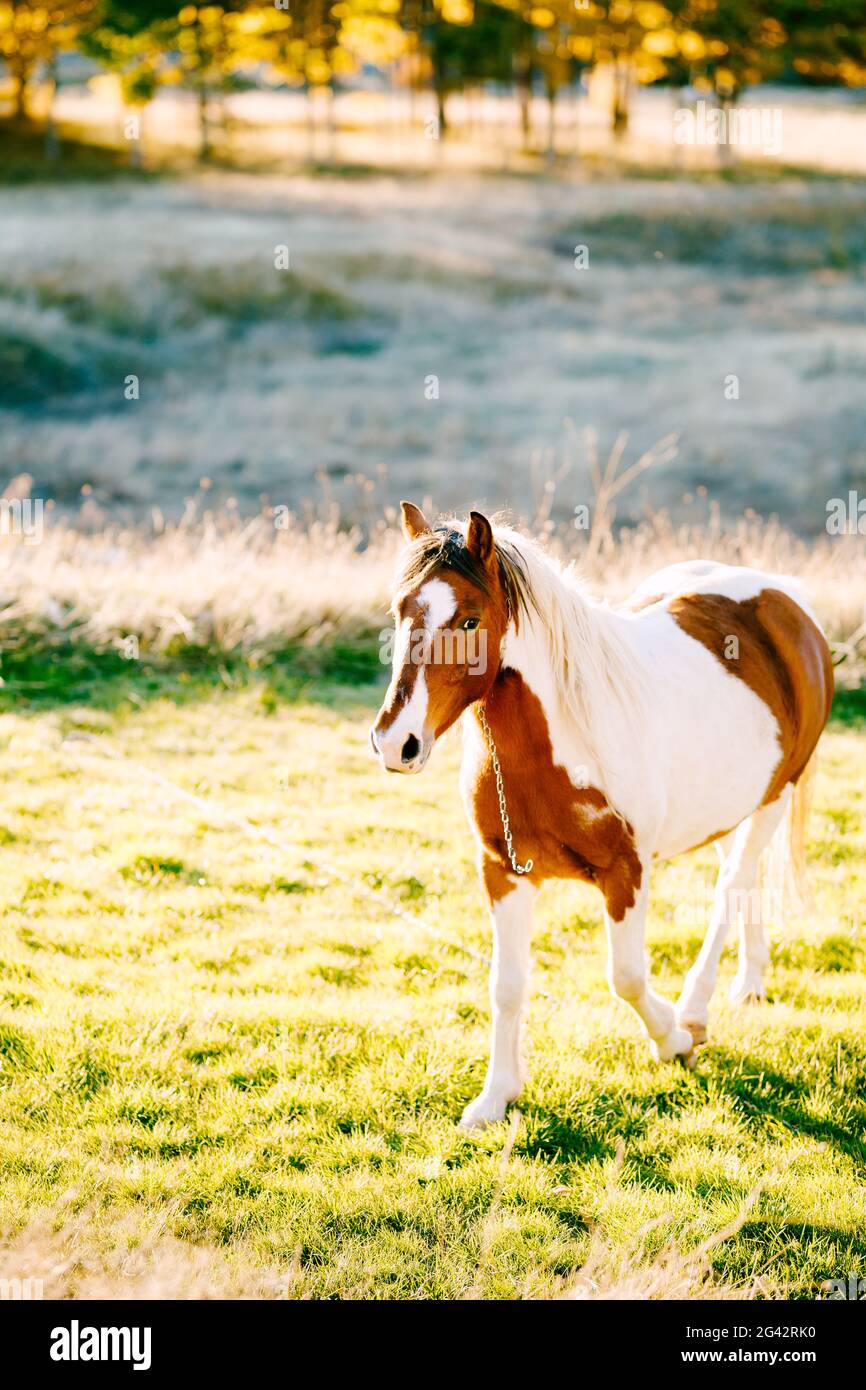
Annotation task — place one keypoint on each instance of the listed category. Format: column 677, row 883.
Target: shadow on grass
column 768, row 1099
column 766, row 1096
column 27, row 158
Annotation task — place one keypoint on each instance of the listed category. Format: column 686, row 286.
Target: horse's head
column 451, row 609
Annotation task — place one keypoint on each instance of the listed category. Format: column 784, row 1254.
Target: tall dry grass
column 220, row 583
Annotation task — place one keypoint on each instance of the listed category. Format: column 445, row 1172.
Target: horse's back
column 736, row 582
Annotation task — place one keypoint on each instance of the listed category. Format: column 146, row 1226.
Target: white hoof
column 484, row 1110
column 678, row 1043
column 747, row 988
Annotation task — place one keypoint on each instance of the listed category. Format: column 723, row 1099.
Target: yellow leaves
column 650, row 15
column 661, row 44
column 379, row 41
column 457, row 11
column 542, row 18
column 188, row 15
column 620, row 11
column 692, row 46
column 582, row 47
column 649, row 68
column 773, row 33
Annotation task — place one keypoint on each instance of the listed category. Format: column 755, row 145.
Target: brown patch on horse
column 567, row 831
column 781, row 655
column 452, row 684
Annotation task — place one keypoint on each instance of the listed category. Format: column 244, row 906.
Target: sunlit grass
column 214, row 1029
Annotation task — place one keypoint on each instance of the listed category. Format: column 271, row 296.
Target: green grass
column 223, row 1034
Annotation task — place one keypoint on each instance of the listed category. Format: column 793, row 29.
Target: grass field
column 467, row 278
column 217, row 1038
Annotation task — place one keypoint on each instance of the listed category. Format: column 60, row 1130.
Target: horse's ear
column 479, row 538
column 415, row 523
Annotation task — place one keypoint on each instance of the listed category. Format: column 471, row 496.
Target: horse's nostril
column 411, row 749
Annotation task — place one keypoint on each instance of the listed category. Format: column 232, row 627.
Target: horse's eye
column 470, row 624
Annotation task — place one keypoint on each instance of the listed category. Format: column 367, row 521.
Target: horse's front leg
column 629, row 981
column 511, row 912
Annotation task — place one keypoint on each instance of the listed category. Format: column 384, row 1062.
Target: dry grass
column 61, row 1258
column 220, row 584
column 60, row 1253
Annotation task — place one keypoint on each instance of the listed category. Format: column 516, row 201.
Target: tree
column 154, row 43
column 32, row 34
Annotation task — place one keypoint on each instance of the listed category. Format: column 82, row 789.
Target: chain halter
column 500, row 792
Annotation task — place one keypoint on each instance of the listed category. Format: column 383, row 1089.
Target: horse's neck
column 599, row 747
column 525, row 650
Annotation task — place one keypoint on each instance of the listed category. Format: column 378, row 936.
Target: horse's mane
column 594, row 669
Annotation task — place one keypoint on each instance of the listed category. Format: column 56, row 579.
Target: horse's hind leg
column 733, row 896
column 747, row 985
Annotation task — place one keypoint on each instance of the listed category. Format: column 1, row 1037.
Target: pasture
column 243, row 984
column 243, row 1003
column 266, row 381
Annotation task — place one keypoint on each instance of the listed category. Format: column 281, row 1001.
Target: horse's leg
column 509, row 974
column 747, row 985
column 733, row 893
column 628, row 980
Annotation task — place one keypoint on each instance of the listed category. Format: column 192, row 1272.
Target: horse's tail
column 784, row 867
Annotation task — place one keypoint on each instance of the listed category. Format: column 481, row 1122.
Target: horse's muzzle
column 407, row 754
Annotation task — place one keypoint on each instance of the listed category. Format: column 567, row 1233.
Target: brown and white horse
column 597, row 740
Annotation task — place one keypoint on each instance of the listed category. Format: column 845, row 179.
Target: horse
column 598, row 740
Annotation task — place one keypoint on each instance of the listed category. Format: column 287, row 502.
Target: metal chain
column 500, row 792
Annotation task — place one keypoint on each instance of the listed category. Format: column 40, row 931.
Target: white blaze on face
column 438, row 603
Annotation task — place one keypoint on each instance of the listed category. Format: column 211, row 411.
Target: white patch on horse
column 411, row 715
column 439, row 601
column 736, row 582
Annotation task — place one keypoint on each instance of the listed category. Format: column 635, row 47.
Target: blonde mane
column 595, row 670
column 596, row 674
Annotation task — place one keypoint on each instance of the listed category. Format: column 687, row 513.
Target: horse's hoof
column 689, row 1060
column 747, row 992
column 481, row 1113
column 678, row 1043
column 698, row 1032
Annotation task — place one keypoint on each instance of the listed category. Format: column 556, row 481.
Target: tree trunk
column 204, row 148
column 332, row 122
column 727, row 152
column 619, row 114
column 311, row 121
column 52, row 144
column 21, row 74
column 135, row 158
column 441, row 113
column 551, row 124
